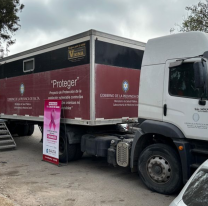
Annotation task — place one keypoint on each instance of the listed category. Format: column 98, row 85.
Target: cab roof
column 175, row 46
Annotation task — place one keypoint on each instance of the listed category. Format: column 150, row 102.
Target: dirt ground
column 4, row 201
column 27, row 180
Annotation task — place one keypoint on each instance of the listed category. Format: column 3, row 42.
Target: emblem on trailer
column 22, row 89
column 77, row 52
column 125, row 86
column 196, row 117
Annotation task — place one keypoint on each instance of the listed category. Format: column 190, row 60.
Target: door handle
column 165, row 109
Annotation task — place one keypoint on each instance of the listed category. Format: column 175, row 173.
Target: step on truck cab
column 159, row 90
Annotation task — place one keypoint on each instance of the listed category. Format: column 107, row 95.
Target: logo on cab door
column 196, row 117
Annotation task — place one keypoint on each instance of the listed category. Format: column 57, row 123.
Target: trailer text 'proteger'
column 64, row 83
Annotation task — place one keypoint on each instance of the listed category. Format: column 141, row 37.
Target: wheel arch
column 152, row 132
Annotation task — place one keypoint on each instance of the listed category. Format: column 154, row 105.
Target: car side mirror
column 199, row 74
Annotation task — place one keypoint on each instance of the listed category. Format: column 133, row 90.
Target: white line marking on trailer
column 2, row 113
column 14, row 114
column 27, row 115
column 99, row 118
column 78, row 118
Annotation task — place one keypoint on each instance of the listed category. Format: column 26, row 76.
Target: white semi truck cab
column 173, row 110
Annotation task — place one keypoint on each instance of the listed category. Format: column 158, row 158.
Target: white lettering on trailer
column 107, row 95
column 122, row 100
column 64, row 83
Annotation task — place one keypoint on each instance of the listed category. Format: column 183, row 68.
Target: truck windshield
column 181, row 82
column 197, row 192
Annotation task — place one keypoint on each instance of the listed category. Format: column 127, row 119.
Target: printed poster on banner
column 52, row 115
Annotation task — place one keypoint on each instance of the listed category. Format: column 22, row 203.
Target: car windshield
column 197, row 192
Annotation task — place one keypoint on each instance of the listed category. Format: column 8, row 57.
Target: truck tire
column 159, row 168
column 13, row 128
column 30, row 130
column 79, row 153
column 22, row 130
column 66, row 152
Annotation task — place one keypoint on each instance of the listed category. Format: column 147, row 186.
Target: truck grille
column 122, row 154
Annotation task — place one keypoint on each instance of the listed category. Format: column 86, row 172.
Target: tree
column 197, row 19
column 9, row 21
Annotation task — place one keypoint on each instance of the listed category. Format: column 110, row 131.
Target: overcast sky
column 45, row 21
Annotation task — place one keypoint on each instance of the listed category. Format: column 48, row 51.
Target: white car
column 195, row 192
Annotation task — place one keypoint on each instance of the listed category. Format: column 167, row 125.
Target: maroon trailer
column 96, row 75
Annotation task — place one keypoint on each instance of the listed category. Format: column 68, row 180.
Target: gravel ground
column 27, row 180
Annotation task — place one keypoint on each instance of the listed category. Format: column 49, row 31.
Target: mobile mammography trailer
column 98, row 78
column 96, row 75
column 90, row 72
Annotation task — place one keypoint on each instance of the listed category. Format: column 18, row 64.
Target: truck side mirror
column 205, row 55
column 199, row 74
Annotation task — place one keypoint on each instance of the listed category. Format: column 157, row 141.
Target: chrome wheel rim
column 159, row 170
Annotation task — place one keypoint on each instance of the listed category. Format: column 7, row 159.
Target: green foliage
column 9, row 21
column 196, row 20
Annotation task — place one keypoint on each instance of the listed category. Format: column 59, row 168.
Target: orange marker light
column 180, row 148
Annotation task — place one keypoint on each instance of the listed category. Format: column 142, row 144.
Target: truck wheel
column 160, row 169
column 64, row 149
column 30, row 130
column 79, row 153
column 22, row 130
column 13, row 128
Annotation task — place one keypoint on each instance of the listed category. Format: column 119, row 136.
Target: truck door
column 181, row 101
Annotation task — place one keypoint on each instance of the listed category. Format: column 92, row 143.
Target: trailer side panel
column 60, row 74
column 117, row 75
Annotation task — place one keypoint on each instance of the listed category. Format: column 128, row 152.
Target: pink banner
column 52, row 114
